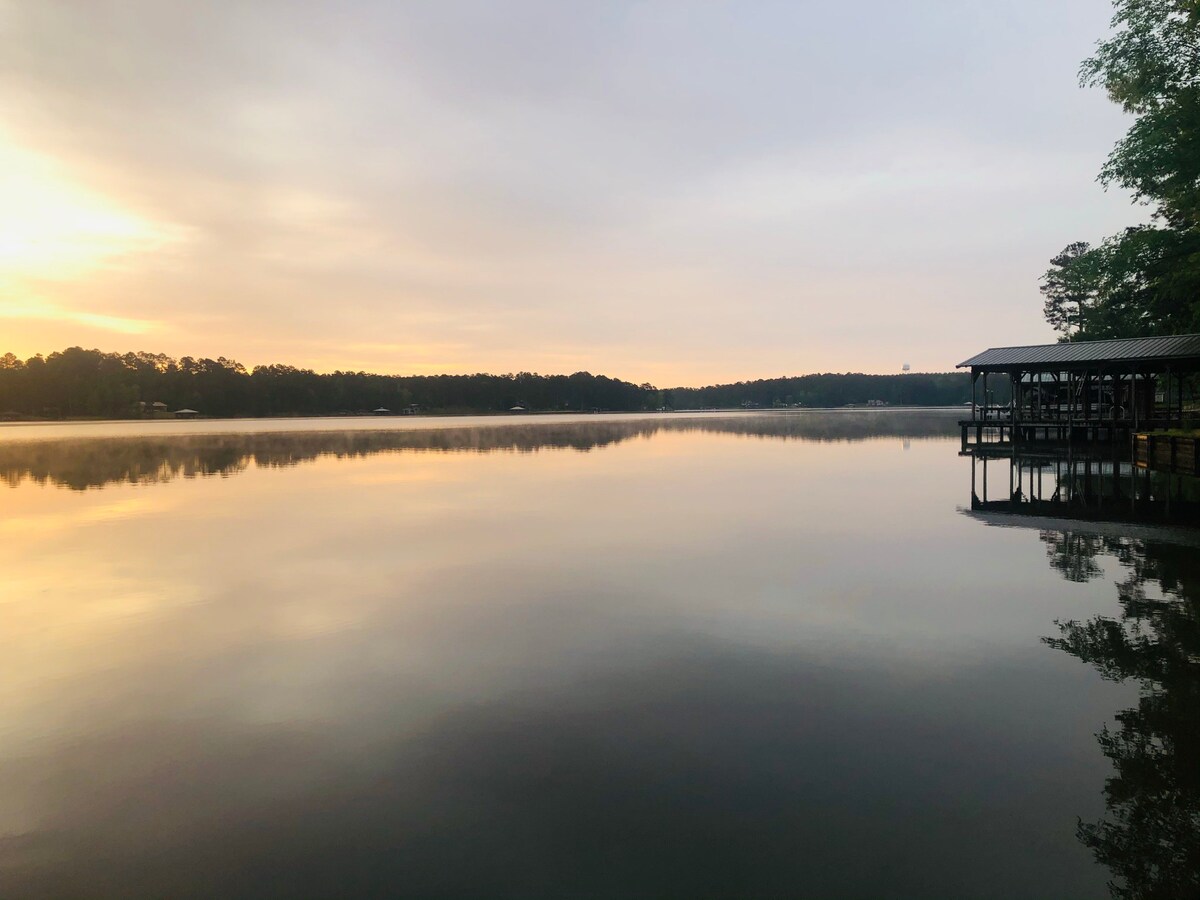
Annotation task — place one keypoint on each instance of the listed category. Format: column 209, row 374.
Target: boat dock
column 1079, row 394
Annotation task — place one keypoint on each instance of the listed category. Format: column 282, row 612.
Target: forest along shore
column 89, row 384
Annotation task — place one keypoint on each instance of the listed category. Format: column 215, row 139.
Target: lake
column 710, row 655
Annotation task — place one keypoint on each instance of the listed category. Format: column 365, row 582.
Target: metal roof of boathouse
column 1166, row 348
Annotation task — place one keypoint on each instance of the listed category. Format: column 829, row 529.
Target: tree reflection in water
column 1073, row 554
column 1150, row 837
column 82, row 463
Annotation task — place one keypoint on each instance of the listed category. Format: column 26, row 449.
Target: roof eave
column 1064, row 365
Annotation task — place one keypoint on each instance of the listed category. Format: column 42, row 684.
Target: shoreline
column 490, row 414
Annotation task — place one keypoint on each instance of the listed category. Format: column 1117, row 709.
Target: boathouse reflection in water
column 1080, row 486
column 1143, row 520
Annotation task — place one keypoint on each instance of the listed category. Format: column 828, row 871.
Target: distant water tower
column 906, row 367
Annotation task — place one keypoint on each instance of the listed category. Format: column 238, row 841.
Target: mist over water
column 84, row 455
column 750, row 655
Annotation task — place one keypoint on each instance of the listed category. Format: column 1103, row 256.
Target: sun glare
column 51, row 228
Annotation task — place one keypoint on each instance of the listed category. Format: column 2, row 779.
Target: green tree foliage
column 1151, row 67
column 1070, row 287
column 1145, row 280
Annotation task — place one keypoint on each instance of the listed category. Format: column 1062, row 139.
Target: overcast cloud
column 666, row 192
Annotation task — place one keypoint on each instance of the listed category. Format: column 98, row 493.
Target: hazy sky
column 675, row 192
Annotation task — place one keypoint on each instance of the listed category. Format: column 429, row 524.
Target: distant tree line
column 82, row 383
column 947, row 389
column 79, row 383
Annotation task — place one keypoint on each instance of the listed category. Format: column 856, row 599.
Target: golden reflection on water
column 154, row 570
column 182, row 654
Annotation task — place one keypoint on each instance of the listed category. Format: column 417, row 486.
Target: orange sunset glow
column 405, row 190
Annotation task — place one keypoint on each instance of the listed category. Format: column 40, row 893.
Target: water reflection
column 1150, row 837
column 82, row 463
column 1112, row 512
column 705, row 660
column 1080, row 486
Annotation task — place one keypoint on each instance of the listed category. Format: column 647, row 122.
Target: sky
column 682, row 193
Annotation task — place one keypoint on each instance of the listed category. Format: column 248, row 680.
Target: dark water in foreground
column 762, row 655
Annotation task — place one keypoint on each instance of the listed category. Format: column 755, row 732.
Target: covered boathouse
column 1086, row 392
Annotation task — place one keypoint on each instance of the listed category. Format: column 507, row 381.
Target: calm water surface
column 747, row 655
